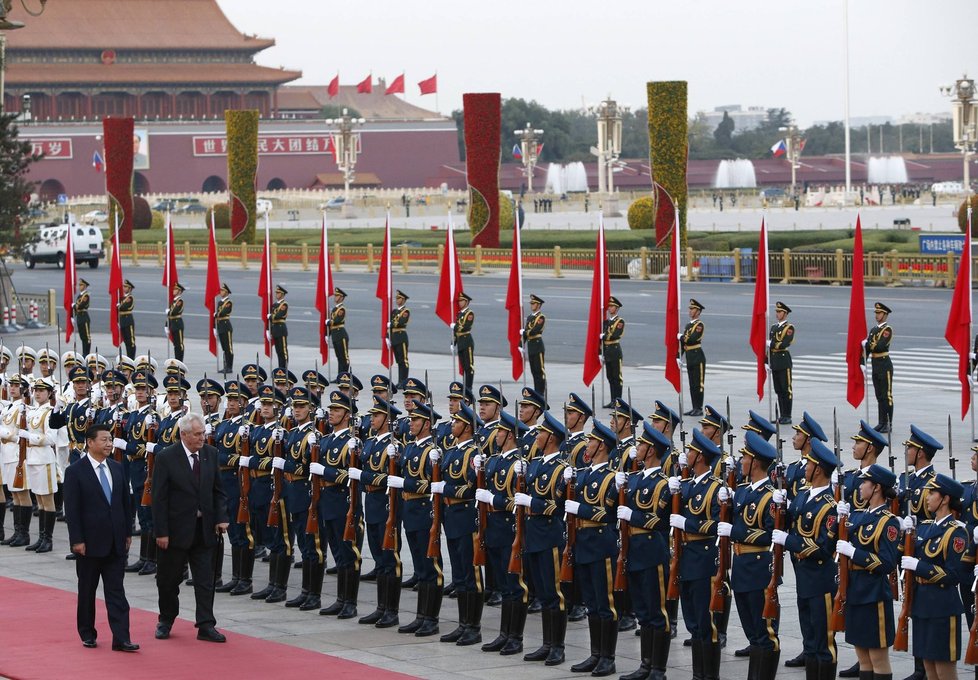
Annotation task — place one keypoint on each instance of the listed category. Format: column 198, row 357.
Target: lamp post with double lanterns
column 792, row 139
column 8, row 24
column 609, row 117
column 964, row 112
column 529, row 150
column 347, row 145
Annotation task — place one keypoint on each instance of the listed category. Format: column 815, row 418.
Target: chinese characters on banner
column 269, row 145
column 52, row 149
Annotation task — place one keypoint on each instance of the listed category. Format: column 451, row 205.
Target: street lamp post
column 609, row 114
column 964, row 111
column 528, row 147
column 793, row 140
column 7, row 24
column 347, row 145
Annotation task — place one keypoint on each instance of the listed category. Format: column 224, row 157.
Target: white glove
column 683, row 459
column 571, row 507
column 355, row 473
column 395, row 482
column 278, row 463
column 767, row 344
column 90, row 413
column 779, row 537
column 845, row 548
column 208, row 429
column 842, row 509
column 24, row 434
column 391, row 450
column 34, row 439
column 117, row 417
column 677, row 522
column 909, row 563
column 268, row 336
column 863, row 343
column 214, row 333
column 313, row 438
column 625, row 513
column 119, row 443
column 150, row 447
column 907, row 523
column 723, row 495
column 569, row 475
column 438, row 487
column 451, row 347
column 150, row 421
column 519, row 467
column 729, row 462
column 317, row 469
column 522, row 331
column 484, row 496
column 477, row 461
column 434, row 455
column 779, row 496
column 724, row 529
column 452, row 326
column 289, row 413
column 167, row 310
column 320, row 413
column 522, row 499
column 835, row 476
column 973, row 356
column 679, row 336
column 974, row 535
column 166, row 329
column 278, row 434
column 632, row 452
column 244, row 430
column 675, row 484
column 243, row 461
column 620, row 479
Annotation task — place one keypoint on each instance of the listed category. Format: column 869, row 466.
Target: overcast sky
column 755, row 52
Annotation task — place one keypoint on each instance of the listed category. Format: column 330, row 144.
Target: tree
column 16, row 158
column 724, row 132
column 336, row 111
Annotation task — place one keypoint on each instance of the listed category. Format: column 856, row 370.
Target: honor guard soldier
column 457, row 397
column 176, row 400
column 544, row 542
column 878, row 350
column 113, row 385
column 576, row 414
column 614, row 330
column 316, row 382
column 759, row 424
column 279, row 328
column 460, row 521
column 375, row 462
column 416, row 512
column 646, row 511
column 399, row 336
column 596, row 548
column 337, row 331
column 252, row 377
column 139, row 428
column 17, row 391
column 229, row 435
column 26, row 358
column 691, row 344
column 283, row 380
column 867, row 446
column 532, row 333
column 697, row 565
column 491, row 405
column 127, row 323
column 779, row 359
column 83, row 323
column 714, row 426
column 806, row 431
column 80, row 414
column 532, row 405
column 42, row 462
column 920, row 451
column 462, row 340
column 969, row 516
column 415, row 392
column 812, row 529
column 174, row 321
column 380, row 386
column 623, row 423
column 223, row 328
column 665, row 420
column 501, row 473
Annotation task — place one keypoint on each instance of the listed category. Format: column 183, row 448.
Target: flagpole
column 324, row 262
column 845, row 100
column 449, row 261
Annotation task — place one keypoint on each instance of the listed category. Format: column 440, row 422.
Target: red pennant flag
column 396, row 86
column 366, row 85
column 265, row 289
column 450, row 282
column 324, row 291
column 759, row 317
column 958, row 330
column 385, row 293
column 514, row 304
column 212, row 289
column 170, row 277
column 672, row 371
column 429, row 85
column 334, row 86
column 600, row 292
column 665, row 214
column 856, row 382
column 115, row 287
column 69, row 289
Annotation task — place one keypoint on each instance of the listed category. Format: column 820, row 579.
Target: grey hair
column 188, row 420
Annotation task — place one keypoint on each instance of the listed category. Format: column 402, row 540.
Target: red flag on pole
column 429, row 85
column 115, row 287
column 759, row 317
column 334, row 86
column 396, row 86
column 366, row 85
column 672, row 312
column 958, row 330
column 385, row 293
column 514, row 304
column 856, row 385
column 450, row 282
column 324, row 291
column 600, row 292
column 170, row 277
column 265, row 289
column 212, row 289
column 69, row 290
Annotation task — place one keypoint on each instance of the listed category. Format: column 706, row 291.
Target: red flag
column 429, row 85
column 672, row 313
column 759, row 319
column 115, row 286
column 600, row 292
column 396, row 86
column 170, row 277
column 334, row 86
column 958, row 330
column 450, row 282
column 665, row 214
column 514, row 304
column 212, row 289
column 324, row 291
column 366, row 85
column 265, row 289
column 69, row 290
column 856, row 385
column 385, row 293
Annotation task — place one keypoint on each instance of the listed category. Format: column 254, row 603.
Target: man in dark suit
column 189, row 512
column 96, row 496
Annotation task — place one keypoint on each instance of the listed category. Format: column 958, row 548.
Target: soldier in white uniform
column 68, row 360
column 26, row 358
column 10, row 461
column 96, row 367
column 42, row 462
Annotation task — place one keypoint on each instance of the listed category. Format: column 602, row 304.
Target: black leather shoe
column 851, row 672
column 210, row 634
column 688, row 642
column 124, row 647
column 784, row 420
column 71, row 556
column 495, row 599
column 577, row 613
column 797, row 662
column 90, row 643
column 743, row 652
column 369, row 576
column 163, row 630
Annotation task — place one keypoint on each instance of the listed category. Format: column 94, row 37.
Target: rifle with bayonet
column 772, row 604
column 677, row 536
column 434, row 534
column 837, row 620
column 902, row 640
column 719, row 584
column 624, row 531
column 895, row 503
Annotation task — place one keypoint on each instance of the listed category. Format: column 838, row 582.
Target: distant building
column 744, row 119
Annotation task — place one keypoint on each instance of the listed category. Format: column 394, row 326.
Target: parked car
column 95, row 216
column 164, row 205
column 50, row 245
column 194, row 208
column 335, row 203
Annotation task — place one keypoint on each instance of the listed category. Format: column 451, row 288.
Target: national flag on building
column 396, row 86
column 334, row 86
column 429, row 85
column 779, row 149
column 366, row 85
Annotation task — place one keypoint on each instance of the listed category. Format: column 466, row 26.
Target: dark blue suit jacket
column 101, row 526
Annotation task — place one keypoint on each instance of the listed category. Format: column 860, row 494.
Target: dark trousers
column 227, row 346
column 883, row 386
column 85, row 335
column 341, row 348
column 782, row 387
column 465, row 575
column 694, row 596
column 129, row 337
column 400, row 350
column 170, row 574
column 345, row 553
column 466, row 360
column 539, row 372
column 595, row 579
column 426, row 569
column 111, row 571
column 282, row 350
column 176, row 337
column 544, row 570
column 696, row 371
column 813, row 619
column 612, row 368
column 648, row 590
column 761, row 633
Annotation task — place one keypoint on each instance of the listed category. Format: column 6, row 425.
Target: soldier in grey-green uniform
column 533, row 340
column 779, row 359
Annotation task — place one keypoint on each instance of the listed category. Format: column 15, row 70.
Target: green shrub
column 222, row 217
column 641, row 214
column 507, row 212
column 963, row 215
column 159, row 220
column 142, row 216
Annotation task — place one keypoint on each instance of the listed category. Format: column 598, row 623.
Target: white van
column 50, row 245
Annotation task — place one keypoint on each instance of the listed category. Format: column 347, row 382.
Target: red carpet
column 40, row 641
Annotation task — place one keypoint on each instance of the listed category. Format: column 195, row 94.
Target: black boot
column 558, row 630
column 47, row 527
column 543, row 651
column 306, row 580
column 40, row 530
column 370, row 575
column 282, row 569
column 463, row 623
column 696, row 649
column 138, row 564
column 337, row 606
column 378, row 613
column 672, row 609
column 768, row 669
column 866, row 675
column 247, row 570
column 473, row 619
column 711, row 660
column 918, row 668
column 267, row 590
column 415, row 626
column 349, row 610
column 392, row 604
column 609, row 642
column 594, row 631
column 660, row 654
column 431, row 612
column 149, row 566
column 811, row 668
column 228, row 586
column 826, row 670
column 505, row 620
column 317, row 571
column 882, row 676
column 3, row 517
column 514, row 643
column 59, row 505
column 851, row 672
column 645, row 668
column 15, row 513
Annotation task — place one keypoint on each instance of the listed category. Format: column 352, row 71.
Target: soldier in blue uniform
column 877, row 347
column 227, row 439
column 572, row 450
column 647, row 509
column 665, row 420
column 867, row 446
column 532, row 406
column 278, row 333
column 937, row 607
column 805, row 431
column 759, row 424
column 596, row 549
column 532, row 336
column 79, row 414
column 462, row 339
column 252, row 377
column 137, row 426
column 491, row 404
column 779, row 340
column 457, row 396
column 691, row 344
column 812, row 530
column 714, row 425
column 969, row 516
column 623, row 423
column 874, row 552
column 316, row 382
column 337, row 331
column 613, row 330
column 545, row 528
column 501, row 472
column 414, row 391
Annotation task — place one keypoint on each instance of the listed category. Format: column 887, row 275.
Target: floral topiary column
column 242, row 135
column 482, row 121
column 118, row 134
column 669, row 145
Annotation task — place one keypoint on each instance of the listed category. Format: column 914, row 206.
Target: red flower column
column 482, row 121
column 118, row 134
